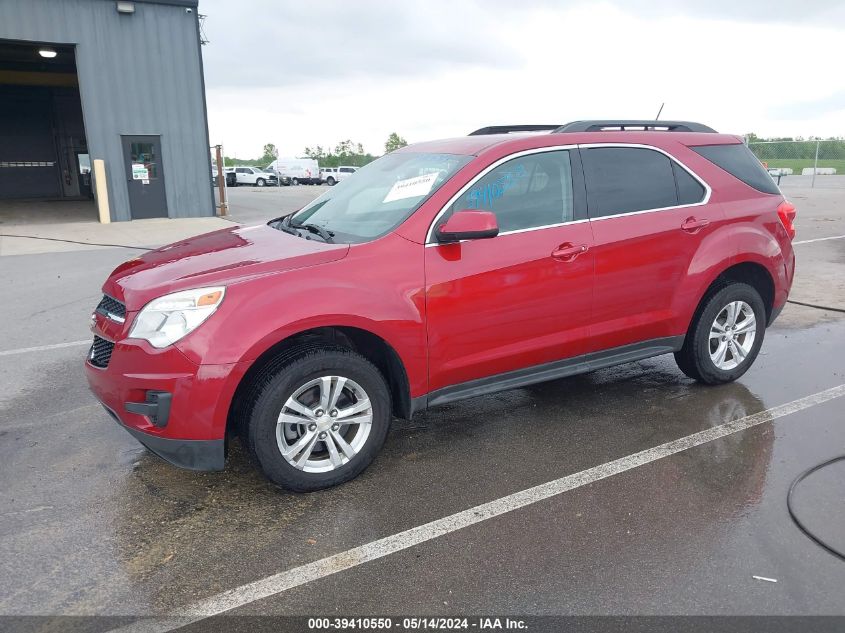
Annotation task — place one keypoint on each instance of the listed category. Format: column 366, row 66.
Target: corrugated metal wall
column 138, row 74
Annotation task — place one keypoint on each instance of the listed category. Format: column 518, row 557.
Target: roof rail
column 505, row 129
column 625, row 124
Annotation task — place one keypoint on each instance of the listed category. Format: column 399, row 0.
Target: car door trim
column 430, row 239
column 707, row 189
column 549, row 371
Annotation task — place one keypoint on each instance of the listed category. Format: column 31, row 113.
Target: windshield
column 380, row 196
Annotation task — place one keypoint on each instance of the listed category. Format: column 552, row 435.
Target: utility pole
column 815, row 164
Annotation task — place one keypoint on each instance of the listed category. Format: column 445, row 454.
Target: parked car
column 333, row 175
column 300, row 171
column 228, row 175
column 283, row 180
column 256, row 176
column 443, row 271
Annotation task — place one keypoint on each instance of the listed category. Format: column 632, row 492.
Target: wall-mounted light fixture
column 49, row 53
column 125, row 7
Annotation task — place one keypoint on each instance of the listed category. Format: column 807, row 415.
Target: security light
column 49, row 53
column 125, row 7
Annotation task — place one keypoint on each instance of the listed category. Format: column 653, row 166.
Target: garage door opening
column 45, row 169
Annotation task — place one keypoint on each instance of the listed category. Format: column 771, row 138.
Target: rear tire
column 295, row 181
column 725, row 335
column 330, row 181
column 301, row 404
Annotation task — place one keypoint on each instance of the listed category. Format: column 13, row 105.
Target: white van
column 299, row 170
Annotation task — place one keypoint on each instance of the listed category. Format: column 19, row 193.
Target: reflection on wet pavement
column 91, row 522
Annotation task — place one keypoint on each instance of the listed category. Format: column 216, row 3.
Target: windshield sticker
column 482, row 197
column 410, row 188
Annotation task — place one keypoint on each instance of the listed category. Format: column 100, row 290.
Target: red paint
column 505, row 303
column 452, row 312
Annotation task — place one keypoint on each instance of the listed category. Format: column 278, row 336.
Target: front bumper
column 202, row 455
column 175, row 407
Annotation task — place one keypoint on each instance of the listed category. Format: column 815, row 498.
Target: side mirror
column 468, row 225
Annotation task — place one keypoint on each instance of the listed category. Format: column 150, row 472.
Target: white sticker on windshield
column 411, row 187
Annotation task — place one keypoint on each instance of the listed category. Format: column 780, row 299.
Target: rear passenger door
column 649, row 217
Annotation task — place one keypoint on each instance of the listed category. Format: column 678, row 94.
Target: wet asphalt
column 91, row 523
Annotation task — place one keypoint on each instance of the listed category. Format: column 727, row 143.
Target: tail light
column 786, row 213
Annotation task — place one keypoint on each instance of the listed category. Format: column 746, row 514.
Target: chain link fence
column 812, row 160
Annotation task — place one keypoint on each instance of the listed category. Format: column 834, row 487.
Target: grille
column 100, row 353
column 112, row 309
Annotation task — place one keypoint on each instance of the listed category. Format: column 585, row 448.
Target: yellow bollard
column 101, row 190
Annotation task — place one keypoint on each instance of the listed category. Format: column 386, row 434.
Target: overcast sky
column 300, row 74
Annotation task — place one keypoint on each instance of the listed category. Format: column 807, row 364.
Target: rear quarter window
column 740, row 163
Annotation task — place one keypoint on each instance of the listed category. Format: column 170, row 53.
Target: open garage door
column 44, row 152
column 29, row 164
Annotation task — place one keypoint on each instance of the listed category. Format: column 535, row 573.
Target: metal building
column 117, row 81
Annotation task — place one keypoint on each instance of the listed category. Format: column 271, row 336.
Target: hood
column 219, row 258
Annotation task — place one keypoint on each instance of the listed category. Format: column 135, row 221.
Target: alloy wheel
column 324, row 424
column 732, row 335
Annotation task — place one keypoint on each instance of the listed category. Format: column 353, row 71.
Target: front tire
column 319, row 419
column 725, row 336
column 330, row 181
column 260, row 182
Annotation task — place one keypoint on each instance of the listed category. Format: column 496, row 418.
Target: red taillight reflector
column 786, row 213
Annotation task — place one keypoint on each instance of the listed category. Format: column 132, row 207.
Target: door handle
column 694, row 225
column 568, row 251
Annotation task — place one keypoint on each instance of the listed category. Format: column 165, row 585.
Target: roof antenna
column 659, row 111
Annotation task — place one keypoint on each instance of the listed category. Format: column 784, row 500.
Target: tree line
column 345, row 152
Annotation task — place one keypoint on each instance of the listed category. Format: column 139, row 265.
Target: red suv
column 442, row 271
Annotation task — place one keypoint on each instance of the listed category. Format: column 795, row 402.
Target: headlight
column 165, row 320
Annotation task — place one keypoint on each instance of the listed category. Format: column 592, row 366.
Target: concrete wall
column 138, row 74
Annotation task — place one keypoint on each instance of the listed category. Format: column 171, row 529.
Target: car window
column 627, row 179
column 346, row 170
column 525, row 192
column 741, row 163
column 380, row 196
column 690, row 190
column 241, row 170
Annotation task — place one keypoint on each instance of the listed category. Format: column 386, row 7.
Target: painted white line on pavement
column 278, row 583
column 42, row 348
column 821, row 239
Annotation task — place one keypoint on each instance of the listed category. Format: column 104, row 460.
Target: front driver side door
column 522, row 299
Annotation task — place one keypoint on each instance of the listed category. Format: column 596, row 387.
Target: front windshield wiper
column 284, row 225
column 315, row 228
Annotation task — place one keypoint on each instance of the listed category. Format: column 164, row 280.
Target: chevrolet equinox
column 444, row 270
